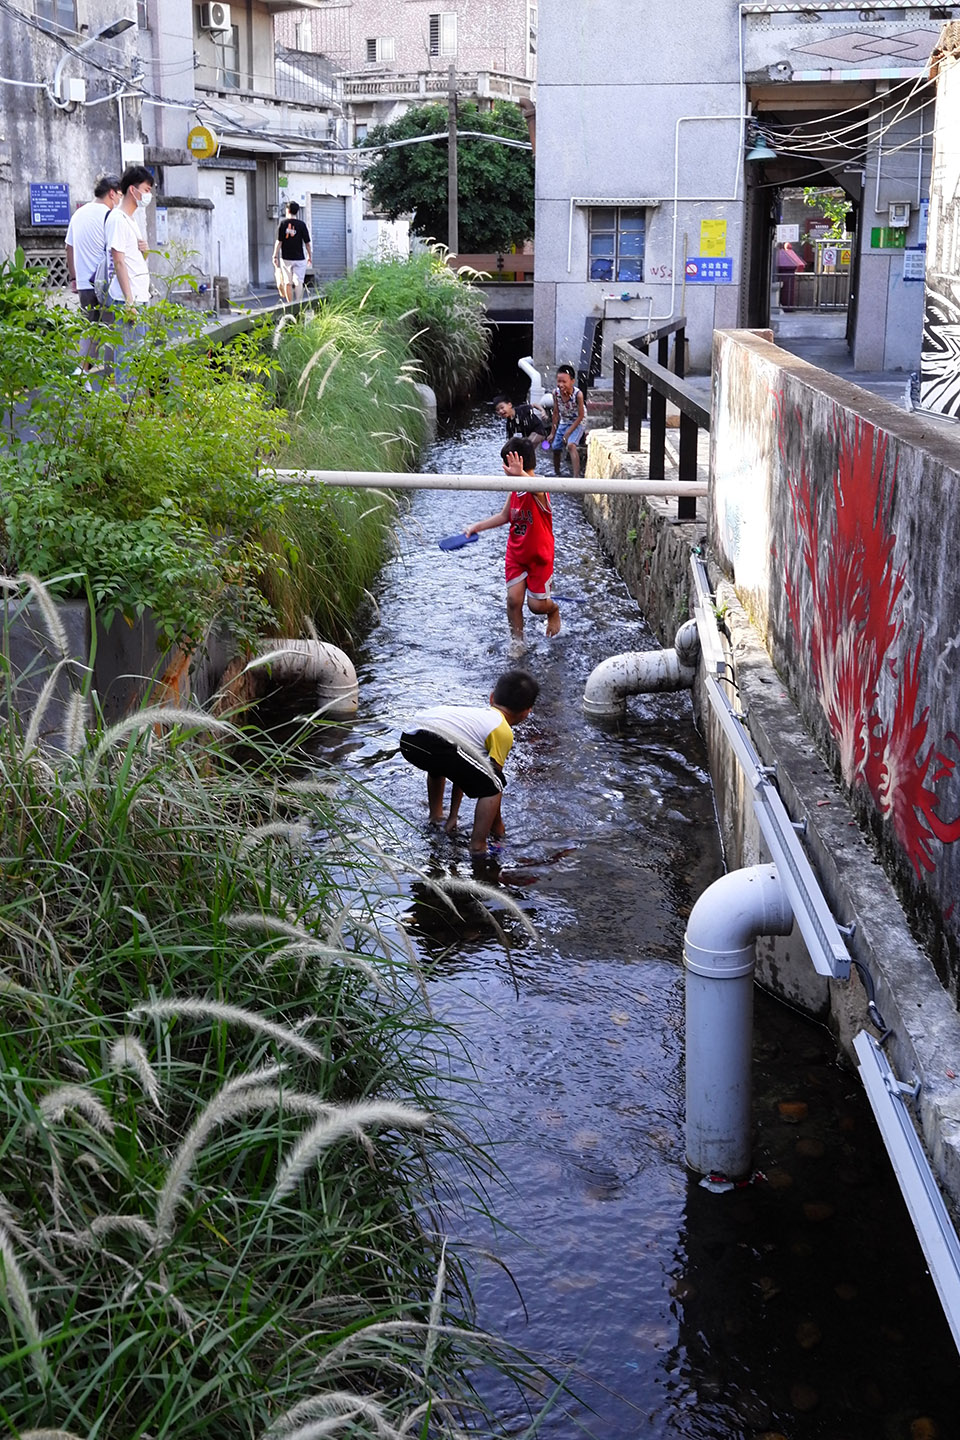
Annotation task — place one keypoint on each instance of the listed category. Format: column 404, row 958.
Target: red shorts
column 536, row 570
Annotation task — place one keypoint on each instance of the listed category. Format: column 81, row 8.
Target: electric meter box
column 899, row 214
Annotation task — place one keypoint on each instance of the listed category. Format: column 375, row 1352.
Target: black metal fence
column 641, row 388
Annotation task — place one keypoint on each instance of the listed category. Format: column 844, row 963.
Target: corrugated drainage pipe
column 719, row 953
column 643, row 672
column 316, row 662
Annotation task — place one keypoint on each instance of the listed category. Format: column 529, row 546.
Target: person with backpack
column 86, row 247
column 569, row 420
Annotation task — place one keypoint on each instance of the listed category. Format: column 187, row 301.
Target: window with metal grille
column 59, row 14
column 381, row 47
column 443, row 34
column 230, row 184
column 617, row 237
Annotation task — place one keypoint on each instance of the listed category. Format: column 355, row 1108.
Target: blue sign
column 708, row 270
column 49, row 203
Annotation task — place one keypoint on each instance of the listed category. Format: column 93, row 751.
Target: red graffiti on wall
column 853, row 634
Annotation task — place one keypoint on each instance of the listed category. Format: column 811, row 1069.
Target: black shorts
column 439, row 756
column 91, row 307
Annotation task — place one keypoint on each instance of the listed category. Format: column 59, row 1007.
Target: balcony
column 360, row 86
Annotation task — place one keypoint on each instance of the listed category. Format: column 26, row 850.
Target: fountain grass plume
column 156, row 715
column 15, row 1288
column 480, row 892
column 346, row 1120
column 345, row 1404
column 304, row 946
column 228, row 1105
column 56, row 1105
column 128, row 1054
column 231, row 1015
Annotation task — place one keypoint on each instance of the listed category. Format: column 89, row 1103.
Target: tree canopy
column 495, row 182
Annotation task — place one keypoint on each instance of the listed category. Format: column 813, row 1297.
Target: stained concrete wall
column 835, row 514
column 653, row 553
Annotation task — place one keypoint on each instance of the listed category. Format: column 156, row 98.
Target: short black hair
column 104, row 185
column 500, row 400
column 293, row 207
column 134, row 175
column 567, row 370
column 516, row 690
column 523, row 446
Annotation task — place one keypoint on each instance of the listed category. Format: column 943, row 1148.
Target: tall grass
column 217, row 1213
column 347, row 384
column 440, row 316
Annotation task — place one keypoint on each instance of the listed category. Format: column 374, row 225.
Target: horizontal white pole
column 385, row 480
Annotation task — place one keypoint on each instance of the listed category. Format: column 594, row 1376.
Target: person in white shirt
column 130, row 285
column 86, row 243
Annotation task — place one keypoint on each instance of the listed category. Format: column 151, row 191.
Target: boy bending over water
column 529, row 560
column 468, row 745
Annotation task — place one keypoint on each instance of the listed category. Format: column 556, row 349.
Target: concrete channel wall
column 765, row 471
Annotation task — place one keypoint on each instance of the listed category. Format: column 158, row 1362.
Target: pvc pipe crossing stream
column 557, row 485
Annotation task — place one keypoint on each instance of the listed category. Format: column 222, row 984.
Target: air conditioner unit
column 214, row 16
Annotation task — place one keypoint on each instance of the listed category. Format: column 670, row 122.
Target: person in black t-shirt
column 292, row 251
column 526, row 420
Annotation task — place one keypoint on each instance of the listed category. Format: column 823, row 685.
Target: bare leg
column 550, row 608
column 456, row 795
column 573, row 450
column 556, row 461
column 435, row 788
column 515, row 593
column 486, row 818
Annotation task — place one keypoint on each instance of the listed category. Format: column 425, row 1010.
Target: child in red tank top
column 529, row 560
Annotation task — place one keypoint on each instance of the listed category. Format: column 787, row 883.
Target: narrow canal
column 797, row 1306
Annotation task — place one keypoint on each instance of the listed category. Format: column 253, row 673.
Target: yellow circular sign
column 202, row 142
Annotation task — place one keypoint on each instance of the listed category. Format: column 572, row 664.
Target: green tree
column 495, row 182
column 833, row 205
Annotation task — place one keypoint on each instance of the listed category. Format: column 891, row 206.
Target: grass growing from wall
column 217, row 1216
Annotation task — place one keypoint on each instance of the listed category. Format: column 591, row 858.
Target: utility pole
column 453, row 228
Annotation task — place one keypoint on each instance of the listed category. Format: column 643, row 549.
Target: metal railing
column 640, row 383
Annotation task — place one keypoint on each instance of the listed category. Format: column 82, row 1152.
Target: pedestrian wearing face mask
column 130, row 286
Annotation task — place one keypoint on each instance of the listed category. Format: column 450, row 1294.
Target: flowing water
column 796, row 1306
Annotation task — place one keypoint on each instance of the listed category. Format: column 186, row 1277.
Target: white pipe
column 314, row 662
column 565, row 485
column 719, row 954
column 536, row 382
column 643, row 673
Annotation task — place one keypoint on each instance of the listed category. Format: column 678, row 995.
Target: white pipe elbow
column 532, row 373
column 314, row 662
column 643, row 672
column 730, row 915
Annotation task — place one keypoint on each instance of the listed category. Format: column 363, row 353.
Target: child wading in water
column 529, row 561
column 468, row 745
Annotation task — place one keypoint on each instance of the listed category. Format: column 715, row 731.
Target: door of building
column 328, row 235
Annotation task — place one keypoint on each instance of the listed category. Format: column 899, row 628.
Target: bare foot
column 553, row 623
column 451, row 826
column 436, row 819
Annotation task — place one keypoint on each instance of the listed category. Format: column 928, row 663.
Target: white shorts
column 294, row 271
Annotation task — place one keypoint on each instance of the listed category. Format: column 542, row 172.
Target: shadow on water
column 797, row 1306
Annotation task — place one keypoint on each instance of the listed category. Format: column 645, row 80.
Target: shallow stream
column 797, row 1306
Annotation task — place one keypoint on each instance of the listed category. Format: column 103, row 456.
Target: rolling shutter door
column 328, row 235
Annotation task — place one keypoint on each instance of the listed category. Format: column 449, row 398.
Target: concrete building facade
column 940, row 357
column 647, row 205
column 88, row 89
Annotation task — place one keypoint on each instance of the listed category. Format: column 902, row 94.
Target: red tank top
column 531, row 527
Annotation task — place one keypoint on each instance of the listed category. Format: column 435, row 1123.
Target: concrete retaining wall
column 835, row 514
column 653, row 553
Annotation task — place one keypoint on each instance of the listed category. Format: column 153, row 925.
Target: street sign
column 49, row 203
column 708, row 270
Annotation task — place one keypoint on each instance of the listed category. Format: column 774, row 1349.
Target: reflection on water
column 797, row 1306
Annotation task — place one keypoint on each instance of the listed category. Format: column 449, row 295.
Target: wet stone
column 803, row 1397
column 810, row 1148
column 816, row 1211
column 793, row 1111
column 808, row 1334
